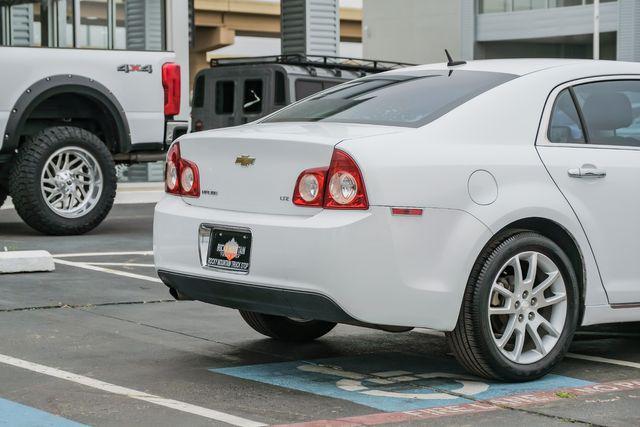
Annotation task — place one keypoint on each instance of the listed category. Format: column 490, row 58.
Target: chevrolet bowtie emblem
column 245, row 161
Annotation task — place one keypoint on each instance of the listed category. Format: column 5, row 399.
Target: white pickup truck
column 67, row 116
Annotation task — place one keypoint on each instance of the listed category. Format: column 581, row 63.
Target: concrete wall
column 415, row 31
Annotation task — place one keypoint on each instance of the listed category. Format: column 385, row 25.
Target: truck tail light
column 171, row 85
column 182, row 176
column 340, row 186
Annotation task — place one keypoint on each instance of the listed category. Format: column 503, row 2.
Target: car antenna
column 451, row 62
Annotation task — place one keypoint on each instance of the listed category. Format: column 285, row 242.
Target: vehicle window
column 306, row 88
column 252, row 103
column 279, row 97
column 565, row 121
column 611, row 111
column 396, row 100
column 198, row 92
column 225, row 93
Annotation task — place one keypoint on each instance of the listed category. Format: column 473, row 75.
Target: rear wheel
column 63, row 181
column 3, row 196
column 519, row 312
column 285, row 328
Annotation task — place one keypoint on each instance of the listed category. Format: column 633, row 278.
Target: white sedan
column 498, row 201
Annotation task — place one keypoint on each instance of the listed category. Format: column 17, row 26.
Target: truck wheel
column 285, row 328
column 63, row 181
column 3, row 197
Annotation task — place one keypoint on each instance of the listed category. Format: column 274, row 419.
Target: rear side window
column 198, row 92
column 410, row 100
column 225, row 91
column 305, row 88
column 252, row 103
column 611, row 111
column 565, row 126
column 280, row 94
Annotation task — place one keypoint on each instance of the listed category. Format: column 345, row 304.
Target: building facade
column 419, row 30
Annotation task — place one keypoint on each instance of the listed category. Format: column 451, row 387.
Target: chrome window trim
column 543, row 131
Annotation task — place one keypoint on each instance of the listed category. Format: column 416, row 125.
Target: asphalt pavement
column 101, row 342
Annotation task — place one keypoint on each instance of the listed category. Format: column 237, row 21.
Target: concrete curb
column 25, row 261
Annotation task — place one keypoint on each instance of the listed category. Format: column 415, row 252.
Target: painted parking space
column 392, row 382
column 18, row 415
column 93, row 321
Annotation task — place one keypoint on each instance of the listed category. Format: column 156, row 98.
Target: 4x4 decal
column 129, row 68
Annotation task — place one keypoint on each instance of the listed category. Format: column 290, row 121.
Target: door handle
column 587, row 173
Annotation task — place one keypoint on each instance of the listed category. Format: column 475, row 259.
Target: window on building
column 21, row 25
column 225, row 94
column 280, row 93
column 94, row 32
column 496, row 6
column 252, row 101
column 493, row 6
column 101, row 24
column 611, row 111
column 565, row 126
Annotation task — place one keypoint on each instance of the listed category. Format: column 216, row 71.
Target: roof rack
column 330, row 62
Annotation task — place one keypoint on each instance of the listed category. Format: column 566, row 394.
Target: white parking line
column 604, row 360
column 92, row 254
column 107, row 270
column 131, row 393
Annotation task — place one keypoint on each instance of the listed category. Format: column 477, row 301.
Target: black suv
column 235, row 91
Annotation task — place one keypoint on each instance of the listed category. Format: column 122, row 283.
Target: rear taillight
column 171, row 85
column 181, row 176
column 346, row 186
column 309, row 189
column 340, row 186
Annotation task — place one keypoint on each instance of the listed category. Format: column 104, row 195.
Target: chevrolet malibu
column 496, row 201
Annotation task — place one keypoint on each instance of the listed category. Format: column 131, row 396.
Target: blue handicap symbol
column 391, row 382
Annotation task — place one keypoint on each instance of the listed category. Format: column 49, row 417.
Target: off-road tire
column 3, row 197
column 25, row 186
column 286, row 329
column 471, row 341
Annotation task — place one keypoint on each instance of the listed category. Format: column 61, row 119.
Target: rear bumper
column 263, row 299
column 374, row 267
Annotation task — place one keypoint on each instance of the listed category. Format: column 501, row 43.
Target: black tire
column 286, row 329
column 472, row 340
column 25, row 177
column 3, row 197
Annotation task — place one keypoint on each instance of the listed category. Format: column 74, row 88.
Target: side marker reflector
column 406, row 211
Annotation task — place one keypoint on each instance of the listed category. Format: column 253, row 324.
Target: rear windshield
column 410, row 100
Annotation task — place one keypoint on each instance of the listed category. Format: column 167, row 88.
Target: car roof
column 521, row 67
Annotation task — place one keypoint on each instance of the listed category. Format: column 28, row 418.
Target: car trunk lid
column 254, row 168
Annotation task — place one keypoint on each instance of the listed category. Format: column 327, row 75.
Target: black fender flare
column 59, row 84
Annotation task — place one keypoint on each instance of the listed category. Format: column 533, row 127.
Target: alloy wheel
column 527, row 307
column 71, row 182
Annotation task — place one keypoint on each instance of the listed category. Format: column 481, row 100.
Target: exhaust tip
column 178, row 295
